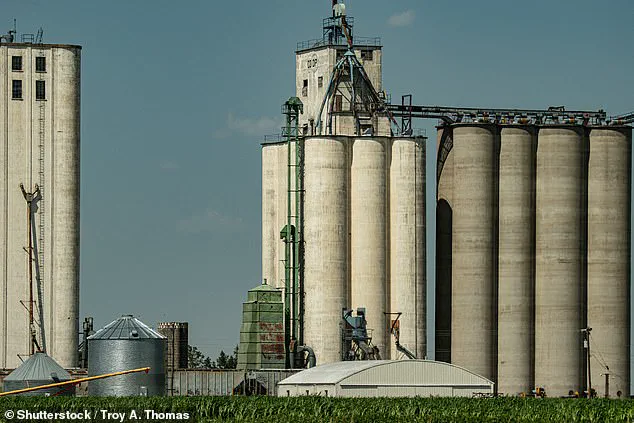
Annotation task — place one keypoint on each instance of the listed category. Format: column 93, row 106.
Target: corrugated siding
column 405, row 378
column 225, row 382
column 409, row 372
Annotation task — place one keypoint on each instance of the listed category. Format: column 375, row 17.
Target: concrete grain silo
column 270, row 209
column 177, row 334
column 609, row 249
column 364, row 231
column 473, row 325
column 553, row 261
column 407, row 243
column 361, row 207
column 368, row 233
column 516, row 246
column 326, row 214
column 559, row 274
column 40, row 148
column 444, row 224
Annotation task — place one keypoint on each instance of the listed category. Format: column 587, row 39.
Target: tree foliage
column 195, row 359
column 198, row 360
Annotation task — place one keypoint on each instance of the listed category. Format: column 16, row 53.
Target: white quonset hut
column 386, row 378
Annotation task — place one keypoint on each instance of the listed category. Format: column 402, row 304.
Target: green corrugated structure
column 262, row 330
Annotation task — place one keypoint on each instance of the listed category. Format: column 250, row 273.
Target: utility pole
column 586, row 344
column 31, row 198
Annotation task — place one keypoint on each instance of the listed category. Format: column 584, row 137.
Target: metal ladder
column 42, row 213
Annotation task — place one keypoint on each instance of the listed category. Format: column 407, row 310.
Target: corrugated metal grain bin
column 125, row 344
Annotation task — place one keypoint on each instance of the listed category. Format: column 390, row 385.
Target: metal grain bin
column 125, row 344
column 38, row 370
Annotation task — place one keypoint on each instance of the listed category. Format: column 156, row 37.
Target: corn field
column 321, row 409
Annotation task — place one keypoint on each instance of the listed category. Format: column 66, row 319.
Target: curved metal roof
column 38, row 367
column 333, row 373
column 126, row 327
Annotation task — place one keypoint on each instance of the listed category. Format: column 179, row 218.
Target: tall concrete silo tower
column 39, row 146
column 363, row 199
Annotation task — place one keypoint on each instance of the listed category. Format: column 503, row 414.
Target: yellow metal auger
column 75, row 381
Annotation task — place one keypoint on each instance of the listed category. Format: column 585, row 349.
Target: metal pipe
column 28, row 222
column 299, row 228
column 30, row 197
column 292, row 108
column 287, row 283
column 312, row 359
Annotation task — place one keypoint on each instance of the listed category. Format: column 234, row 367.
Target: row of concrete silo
column 364, row 231
column 533, row 246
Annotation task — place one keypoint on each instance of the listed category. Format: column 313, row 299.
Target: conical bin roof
column 126, row 327
column 38, row 367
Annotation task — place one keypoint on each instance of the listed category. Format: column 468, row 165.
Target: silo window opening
column 320, row 82
column 16, row 89
column 16, row 63
column 366, row 54
column 305, row 88
column 40, row 90
column 40, row 64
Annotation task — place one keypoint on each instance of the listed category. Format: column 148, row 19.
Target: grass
column 320, row 409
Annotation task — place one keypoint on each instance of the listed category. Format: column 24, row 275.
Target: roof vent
column 134, row 333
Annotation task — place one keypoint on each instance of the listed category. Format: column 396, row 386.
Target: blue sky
column 176, row 97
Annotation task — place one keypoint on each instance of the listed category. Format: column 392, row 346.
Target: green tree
column 208, row 364
column 198, row 360
column 225, row 361
column 195, row 359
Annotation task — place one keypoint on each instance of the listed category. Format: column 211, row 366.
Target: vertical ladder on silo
column 42, row 212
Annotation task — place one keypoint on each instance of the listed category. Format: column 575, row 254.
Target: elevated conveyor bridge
column 558, row 115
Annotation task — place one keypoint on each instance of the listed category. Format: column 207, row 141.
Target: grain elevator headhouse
column 352, row 195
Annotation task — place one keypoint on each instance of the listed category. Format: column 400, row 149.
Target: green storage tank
column 262, row 330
